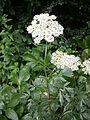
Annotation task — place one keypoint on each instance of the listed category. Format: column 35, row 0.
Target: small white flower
column 34, row 22
column 29, row 29
column 49, row 38
column 35, row 17
column 62, row 60
column 46, row 26
column 34, row 34
column 86, row 67
column 38, row 39
column 53, row 17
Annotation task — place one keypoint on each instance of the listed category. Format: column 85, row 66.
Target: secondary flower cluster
column 44, row 26
column 86, row 67
column 62, row 60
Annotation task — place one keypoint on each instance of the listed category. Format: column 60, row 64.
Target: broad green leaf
column 8, row 92
column 57, row 82
column 31, row 58
column 11, row 114
column 24, row 74
column 67, row 72
column 14, row 100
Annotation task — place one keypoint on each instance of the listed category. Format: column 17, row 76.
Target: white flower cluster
column 86, row 67
column 45, row 27
column 62, row 60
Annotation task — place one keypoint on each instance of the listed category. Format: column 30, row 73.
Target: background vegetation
column 21, row 62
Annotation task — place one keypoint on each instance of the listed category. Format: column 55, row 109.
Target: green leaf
column 14, row 100
column 8, row 91
column 88, row 87
column 24, row 74
column 54, row 105
column 61, row 98
column 67, row 116
column 57, row 82
column 27, row 117
column 87, row 115
column 89, row 24
column 40, row 81
column 11, row 114
column 38, row 68
column 67, row 72
column 20, row 110
column 3, row 117
column 31, row 58
column 1, row 105
column 86, row 53
column 87, row 41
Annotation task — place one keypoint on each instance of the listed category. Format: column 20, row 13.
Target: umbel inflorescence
column 44, row 27
column 62, row 60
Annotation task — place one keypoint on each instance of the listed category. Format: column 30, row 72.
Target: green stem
column 47, row 77
column 45, row 52
column 52, row 72
column 45, row 60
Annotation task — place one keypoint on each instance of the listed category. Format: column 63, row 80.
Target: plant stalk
column 47, row 77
